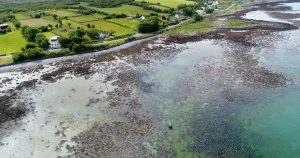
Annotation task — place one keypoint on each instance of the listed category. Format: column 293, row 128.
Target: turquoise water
column 272, row 123
column 189, row 91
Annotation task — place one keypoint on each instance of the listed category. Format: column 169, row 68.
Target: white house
column 103, row 34
column 201, row 12
column 54, row 42
column 177, row 16
column 142, row 18
column 213, row 4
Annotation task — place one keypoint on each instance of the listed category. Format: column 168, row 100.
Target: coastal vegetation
column 118, row 20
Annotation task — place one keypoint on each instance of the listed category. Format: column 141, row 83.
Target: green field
column 239, row 23
column 133, row 24
column 12, row 42
column 73, row 24
column 108, row 26
column 82, row 19
column 126, row 9
column 189, row 28
column 37, row 22
column 159, row 7
column 49, row 34
column 63, row 32
column 99, row 16
column 20, row 16
column 6, row 60
column 168, row 3
column 63, row 13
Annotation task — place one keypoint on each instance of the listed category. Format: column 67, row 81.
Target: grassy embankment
column 240, row 23
column 190, row 28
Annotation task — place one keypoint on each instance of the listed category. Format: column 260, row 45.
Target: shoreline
column 220, row 33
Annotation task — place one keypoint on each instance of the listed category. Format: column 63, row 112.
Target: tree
column 29, row 33
column 33, row 53
column 37, row 16
column 150, row 24
column 188, row 11
column 41, row 41
column 209, row 11
column 69, row 24
column 54, row 16
column 29, row 54
column 65, row 42
column 51, row 26
column 197, row 17
column 44, row 28
column 77, row 33
column 93, row 33
column 23, row 28
column 88, row 25
column 17, row 24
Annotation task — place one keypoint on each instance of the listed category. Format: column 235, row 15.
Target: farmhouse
column 54, row 42
column 213, row 4
column 201, row 12
column 3, row 26
column 142, row 18
column 103, row 34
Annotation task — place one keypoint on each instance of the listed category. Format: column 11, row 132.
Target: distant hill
column 22, row 1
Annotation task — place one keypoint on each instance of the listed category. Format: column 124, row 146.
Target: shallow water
column 265, row 124
column 263, row 16
column 198, row 91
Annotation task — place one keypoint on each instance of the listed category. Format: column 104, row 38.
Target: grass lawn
column 126, row 9
column 82, row 19
column 37, row 22
column 133, row 24
column 63, row 13
column 168, row 3
column 99, row 16
column 73, row 24
column 20, row 16
column 240, row 23
column 63, row 32
column 12, row 42
column 48, row 17
column 189, row 28
column 49, row 34
column 6, row 60
column 160, row 7
column 108, row 26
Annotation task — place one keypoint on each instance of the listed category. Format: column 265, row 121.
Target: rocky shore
column 131, row 124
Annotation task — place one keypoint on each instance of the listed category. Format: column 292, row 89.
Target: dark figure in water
column 170, row 126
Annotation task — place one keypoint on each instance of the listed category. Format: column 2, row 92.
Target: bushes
column 197, row 17
column 29, row 54
column 109, row 3
column 93, row 33
column 79, row 48
column 150, row 24
column 17, row 24
column 112, row 16
column 5, row 31
column 43, row 28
